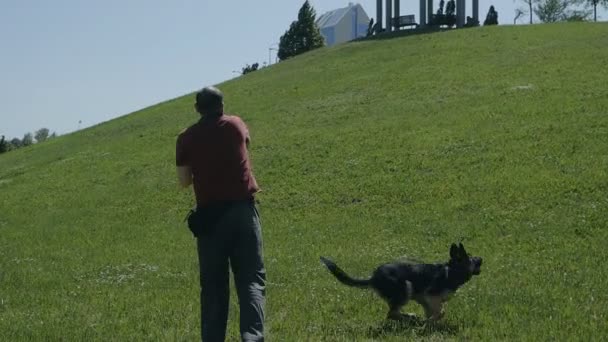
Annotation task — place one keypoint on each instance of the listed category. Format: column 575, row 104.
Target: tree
column 550, row 11
column 41, row 134
column 303, row 34
column 250, row 68
column 577, row 15
column 519, row 12
column 4, row 145
column 27, row 140
column 491, row 17
column 594, row 3
column 288, row 45
column 16, row 143
column 530, row 4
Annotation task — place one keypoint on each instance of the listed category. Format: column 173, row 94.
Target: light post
column 270, row 49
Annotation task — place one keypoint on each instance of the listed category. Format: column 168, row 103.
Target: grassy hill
column 366, row 152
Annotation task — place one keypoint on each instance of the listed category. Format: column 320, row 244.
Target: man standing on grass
column 212, row 155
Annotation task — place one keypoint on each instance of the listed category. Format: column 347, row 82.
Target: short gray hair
column 209, row 98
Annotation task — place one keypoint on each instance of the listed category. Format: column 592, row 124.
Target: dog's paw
column 398, row 316
column 394, row 315
column 436, row 317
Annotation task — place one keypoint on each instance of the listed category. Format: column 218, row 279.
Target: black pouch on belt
column 203, row 219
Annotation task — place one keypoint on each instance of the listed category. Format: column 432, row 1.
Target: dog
column 430, row 285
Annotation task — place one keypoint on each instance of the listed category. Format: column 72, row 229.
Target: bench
column 405, row 20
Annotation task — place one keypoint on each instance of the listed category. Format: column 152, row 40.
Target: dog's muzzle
column 476, row 261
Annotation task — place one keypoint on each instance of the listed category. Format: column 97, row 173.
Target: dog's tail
column 343, row 277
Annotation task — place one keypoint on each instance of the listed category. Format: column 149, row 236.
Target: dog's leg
column 409, row 292
column 397, row 299
column 394, row 313
column 433, row 307
column 425, row 306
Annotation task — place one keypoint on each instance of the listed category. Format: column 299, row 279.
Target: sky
column 70, row 64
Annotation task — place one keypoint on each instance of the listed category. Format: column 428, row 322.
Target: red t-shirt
column 216, row 151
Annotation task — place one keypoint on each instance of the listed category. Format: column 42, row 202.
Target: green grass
column 366, row 152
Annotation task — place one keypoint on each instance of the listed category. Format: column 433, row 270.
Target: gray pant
column 236, row 240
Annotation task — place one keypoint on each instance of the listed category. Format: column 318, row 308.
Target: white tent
column 343, row 24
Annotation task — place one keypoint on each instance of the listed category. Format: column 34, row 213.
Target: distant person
column 212, row 155
column 491, row 17
column 440, row 9
column 3, row 145
column 471, row 22
column 370, row 28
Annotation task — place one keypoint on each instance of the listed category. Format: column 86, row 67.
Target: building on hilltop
column 343, row 24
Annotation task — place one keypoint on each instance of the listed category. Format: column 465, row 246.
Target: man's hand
column 184, row 175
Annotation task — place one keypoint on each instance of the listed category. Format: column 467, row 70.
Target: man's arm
column 184, row 172
column 184, row 175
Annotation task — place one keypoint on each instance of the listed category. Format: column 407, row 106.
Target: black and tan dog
column 430, row 285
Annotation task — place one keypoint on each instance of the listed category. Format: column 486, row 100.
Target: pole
column 379, row 15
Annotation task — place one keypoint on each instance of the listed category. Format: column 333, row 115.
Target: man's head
column 210, row 101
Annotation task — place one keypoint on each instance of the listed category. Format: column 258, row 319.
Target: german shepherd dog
column 430, row 285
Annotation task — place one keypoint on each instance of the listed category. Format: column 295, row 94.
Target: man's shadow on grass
column 409, row 324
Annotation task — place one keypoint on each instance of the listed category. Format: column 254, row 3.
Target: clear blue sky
column 65, row 61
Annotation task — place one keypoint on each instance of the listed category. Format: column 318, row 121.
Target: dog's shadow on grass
column 412, row 324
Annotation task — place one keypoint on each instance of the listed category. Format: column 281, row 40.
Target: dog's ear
column 453, row 252
column 463, row 252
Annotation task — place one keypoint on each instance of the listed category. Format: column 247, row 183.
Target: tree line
column 303, row 35
column 547, row 11
column 28, row 139
column 550, row 11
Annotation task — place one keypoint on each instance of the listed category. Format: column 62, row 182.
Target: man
column 212, row 156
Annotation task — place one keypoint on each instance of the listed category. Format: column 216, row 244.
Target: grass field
column 366, row 152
